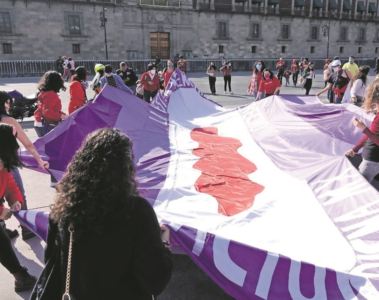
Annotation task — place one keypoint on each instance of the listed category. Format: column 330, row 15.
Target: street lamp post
column 103, row 20
column 326, row 32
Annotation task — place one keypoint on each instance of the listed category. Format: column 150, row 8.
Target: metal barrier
column 15, row 68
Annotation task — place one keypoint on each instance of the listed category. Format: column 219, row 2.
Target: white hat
column 336, row 63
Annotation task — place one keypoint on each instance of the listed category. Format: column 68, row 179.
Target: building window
column 220, row 49
column 283, row 49
column 359, row 49
column 376, row 49
column 362, row 34
column 285, row 31
column 222, row 30
column 255, row 31
column 5, row 22
column 76, row 48
column 312, row 49
column 341, row 49
column 7, row 48
column 314, row 33
column 74, row 24
column 343, row 34
column 253, row 49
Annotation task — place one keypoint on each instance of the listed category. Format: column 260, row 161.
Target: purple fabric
column 302, row 137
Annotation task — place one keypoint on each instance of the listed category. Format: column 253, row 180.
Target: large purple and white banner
column 261, row 197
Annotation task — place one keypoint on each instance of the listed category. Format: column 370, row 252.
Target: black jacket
column 129, row 73
column 128, row 263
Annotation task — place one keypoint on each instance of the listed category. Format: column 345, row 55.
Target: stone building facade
column 198, row 29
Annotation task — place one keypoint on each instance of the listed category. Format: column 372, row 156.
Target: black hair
column 255, row 65
column 9, row 147
column 108, row 69
column 214, row 66
column 4, row 97
column 150, row 66
column 271, row 74
column 51, row 81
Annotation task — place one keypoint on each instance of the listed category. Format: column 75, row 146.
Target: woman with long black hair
column 119, row 249
column 307, row 76
column 5, row 106
column 269, row 85
column 227, row 70
column 212, row 73
column 9, row 160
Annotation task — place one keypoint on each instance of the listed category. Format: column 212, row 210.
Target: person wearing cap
column 150, row 82
column 77, row 91
column 128, row 76
column 95, row 83
column 351, row 66
column 113, row 80
column 182, row 64
column 66, row 72
column 337, row 82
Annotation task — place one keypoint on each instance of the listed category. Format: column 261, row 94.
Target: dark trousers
column 212, row 84
column 149, row 94
column 294, row 77
column 280, row 75
column 227, row 80
column 7, row 256
column 308, row 85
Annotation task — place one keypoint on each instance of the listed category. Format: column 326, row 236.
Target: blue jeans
column 255, row 96
column 133, row 88
column 337, row 100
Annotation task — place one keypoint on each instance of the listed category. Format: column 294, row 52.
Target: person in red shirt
column 369, row 166
column 295, row 69
column 150, row 82
column 9, row 159
column 281, row 66
column 49, row 110
column 168, row 73
column 269, row 85
column 77, row 90
column 227, row 70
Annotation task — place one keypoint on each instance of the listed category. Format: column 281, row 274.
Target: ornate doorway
column 160, row 44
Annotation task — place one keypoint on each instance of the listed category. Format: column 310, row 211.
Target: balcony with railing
column 167, row 3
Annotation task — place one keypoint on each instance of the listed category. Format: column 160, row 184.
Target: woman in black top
column 339, row 81
column 212, row 73
column 119, row 250
column 308, row 75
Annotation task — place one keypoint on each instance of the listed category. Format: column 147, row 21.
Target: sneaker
column 23, row 280
column 224, row 92
column 11, row 233
column 231, row 93
column 26, row 233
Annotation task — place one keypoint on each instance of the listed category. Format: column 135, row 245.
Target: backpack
column 69, row 65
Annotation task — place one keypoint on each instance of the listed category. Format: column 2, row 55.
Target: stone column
column 198, row 4
column 292, row 7
column 233, row 5
column 355, row 8
column 266, row 5
column 311, row 9
column 341, row 9
column 212, row 7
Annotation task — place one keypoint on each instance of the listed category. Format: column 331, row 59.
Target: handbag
column 66, row 295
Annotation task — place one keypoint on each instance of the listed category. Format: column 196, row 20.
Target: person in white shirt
column 359, row 85
column 66, row 73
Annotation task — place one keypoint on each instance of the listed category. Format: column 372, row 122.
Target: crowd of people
column 98, row 199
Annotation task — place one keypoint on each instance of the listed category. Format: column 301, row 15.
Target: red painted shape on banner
column 224, row 171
